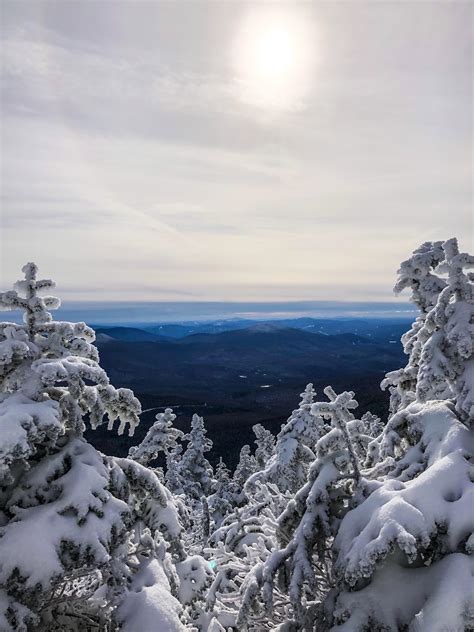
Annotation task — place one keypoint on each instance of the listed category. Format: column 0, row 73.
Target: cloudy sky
column 232, row 151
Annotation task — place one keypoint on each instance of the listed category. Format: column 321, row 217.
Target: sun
column 274, row 52
column 273, row 55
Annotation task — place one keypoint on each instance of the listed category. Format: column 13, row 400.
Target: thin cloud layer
column 133, row 169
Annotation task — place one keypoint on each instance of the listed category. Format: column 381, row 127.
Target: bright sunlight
column 273, row 56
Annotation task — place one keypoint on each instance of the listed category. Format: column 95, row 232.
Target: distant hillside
column 126, row 334
column 383, row 329
column 278, row 340
column 240, row 377
column 201, row 361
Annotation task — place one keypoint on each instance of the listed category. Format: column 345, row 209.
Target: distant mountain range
column 203, row 362
column 375, row 329
column 239, row 372
column 141, row 313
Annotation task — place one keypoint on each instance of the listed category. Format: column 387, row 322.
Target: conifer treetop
column 26, row 296
column 47, row 359
column 162, row 437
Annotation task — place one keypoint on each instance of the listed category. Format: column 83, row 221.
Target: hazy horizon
column 232, row 151
column 125, row 313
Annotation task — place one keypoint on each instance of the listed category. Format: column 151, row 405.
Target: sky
column 227, row 151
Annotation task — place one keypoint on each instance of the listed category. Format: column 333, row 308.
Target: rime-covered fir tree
column 306, row 527
column 447, row 361
column 194, row 469
column 294, row 450
column 161, row 438
column 440, row 343
column 265, row 442
column 419, row 274
column 406, row 553
column 67, row 511
column 245, row 468
column 243, row 542
column 173, row 478
column 222, row 501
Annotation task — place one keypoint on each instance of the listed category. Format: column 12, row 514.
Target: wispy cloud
column 132, row 169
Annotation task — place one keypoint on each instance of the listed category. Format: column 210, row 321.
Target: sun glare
column 273, row 59
column 274, row 52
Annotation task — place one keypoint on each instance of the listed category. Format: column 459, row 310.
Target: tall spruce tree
column 195, row 470
column 406, row 554
column 294, row 450
column 67, row 511
column 265, row 442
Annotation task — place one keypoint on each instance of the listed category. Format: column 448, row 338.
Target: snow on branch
column 46, row 359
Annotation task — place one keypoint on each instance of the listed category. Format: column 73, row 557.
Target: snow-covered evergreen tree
column 416, row 273
column 224, row 596
column 265, row 442
column 373, row 425
column 194, row 475
column 222, row 501
column 66, row 509
column 294, row 451
column 162, row 437
column 195, row 470
column 408, row 549
column 155, row 550
column 148, row 603
column 308, row 524
column 245, row 468
column 173, row 478
column 243, row 542
column 447, row 356
column 406, row 553
column 366, row 435
column 52, row 359
column 440, row 342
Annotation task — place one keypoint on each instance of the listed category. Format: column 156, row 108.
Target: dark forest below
column 239, row 373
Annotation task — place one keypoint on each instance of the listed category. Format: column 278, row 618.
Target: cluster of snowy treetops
column 341, row 522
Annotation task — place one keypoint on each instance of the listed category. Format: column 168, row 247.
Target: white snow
column 149, row 605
